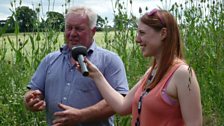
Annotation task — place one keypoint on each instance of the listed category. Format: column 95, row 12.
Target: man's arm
column 33, row 98
column 99, row 111
column 71, row 116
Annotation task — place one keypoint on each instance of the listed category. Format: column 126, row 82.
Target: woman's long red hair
column 172, row 45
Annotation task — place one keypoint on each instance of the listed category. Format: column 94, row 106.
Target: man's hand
column 68, row 117
column 33, row 101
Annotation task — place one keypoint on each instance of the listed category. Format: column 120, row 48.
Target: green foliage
column 100, row 23
column 55, row 21
column 204, row 43
column 26, row 18
column 201, row 26
column 12, row 111
column 123, row 42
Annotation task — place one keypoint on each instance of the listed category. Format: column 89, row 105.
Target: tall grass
column 202, row 31
column 201, row 24
column 20, row 54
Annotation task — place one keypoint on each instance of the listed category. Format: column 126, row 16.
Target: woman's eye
column 141, row 32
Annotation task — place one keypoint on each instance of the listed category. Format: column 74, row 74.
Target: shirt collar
column 92, row 48
column 64, row 49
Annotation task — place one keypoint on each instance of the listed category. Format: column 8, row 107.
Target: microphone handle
column 83, row 66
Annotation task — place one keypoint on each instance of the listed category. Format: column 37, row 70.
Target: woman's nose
column 137, row 39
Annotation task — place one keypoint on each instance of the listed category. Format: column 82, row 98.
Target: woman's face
column 149, row 40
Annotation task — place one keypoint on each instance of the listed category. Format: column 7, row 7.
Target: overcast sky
column 102, row 7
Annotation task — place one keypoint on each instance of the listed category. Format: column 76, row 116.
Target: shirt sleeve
column 38, row 79
column 116, row 75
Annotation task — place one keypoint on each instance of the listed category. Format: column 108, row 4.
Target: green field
column 23, row 37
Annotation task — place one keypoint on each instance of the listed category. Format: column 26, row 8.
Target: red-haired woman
column 164, row 96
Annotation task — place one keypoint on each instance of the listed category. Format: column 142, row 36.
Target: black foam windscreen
column 79, row 50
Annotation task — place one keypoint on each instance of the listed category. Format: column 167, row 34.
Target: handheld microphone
column 78, row 53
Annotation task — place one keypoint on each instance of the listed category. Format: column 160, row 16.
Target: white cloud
column 4, row 11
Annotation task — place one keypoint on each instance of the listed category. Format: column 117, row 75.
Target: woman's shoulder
column 183, row 68
column 184, row 75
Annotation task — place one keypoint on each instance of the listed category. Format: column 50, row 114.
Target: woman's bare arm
column 122, row 105
column 189, row 96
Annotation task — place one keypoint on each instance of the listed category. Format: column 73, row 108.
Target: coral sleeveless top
column 156, row 110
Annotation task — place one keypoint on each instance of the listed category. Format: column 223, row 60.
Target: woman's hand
column 94, row 72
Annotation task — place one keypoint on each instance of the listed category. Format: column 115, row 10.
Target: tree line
column 26, row 20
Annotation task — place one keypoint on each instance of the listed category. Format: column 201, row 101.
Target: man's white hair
column 84, row 11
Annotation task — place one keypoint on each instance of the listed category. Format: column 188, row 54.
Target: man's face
column 78, row 31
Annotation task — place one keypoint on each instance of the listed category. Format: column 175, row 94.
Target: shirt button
column 65, row 98
column 68, row 84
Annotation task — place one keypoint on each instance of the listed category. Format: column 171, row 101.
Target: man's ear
column 93, row 30
column 163, row 33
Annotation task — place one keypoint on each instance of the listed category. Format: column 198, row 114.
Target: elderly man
column 68, row 97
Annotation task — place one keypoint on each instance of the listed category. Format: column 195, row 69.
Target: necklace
column 147, row 90
column 151, row 77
